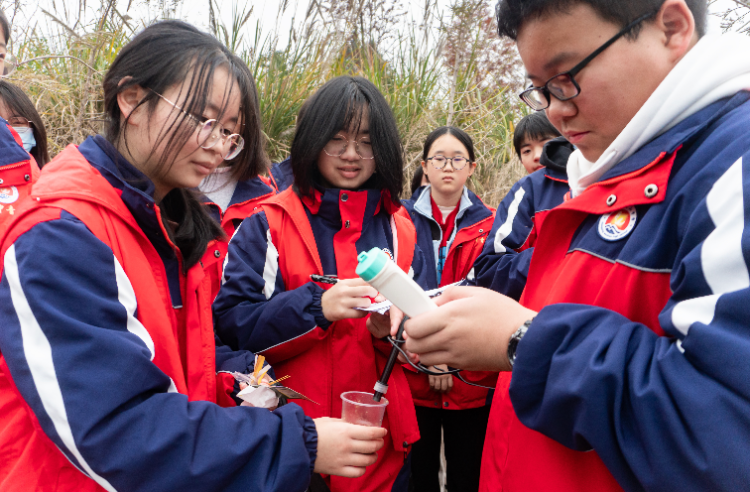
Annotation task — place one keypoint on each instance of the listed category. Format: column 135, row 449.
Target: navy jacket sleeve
column 664, row 413
column 500, row 267
column 253, row 310
column 83, row 363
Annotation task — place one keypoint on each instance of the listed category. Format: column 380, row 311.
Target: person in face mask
column 18, row 110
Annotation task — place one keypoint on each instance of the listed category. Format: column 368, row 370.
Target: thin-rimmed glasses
column 211, row 132
column 338, row 145
column 563, row 86
column 9, row 64
column 439, row 162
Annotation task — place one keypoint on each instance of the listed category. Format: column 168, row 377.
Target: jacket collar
column 11, row 151
column 471, row 209
column 326, row 202
column 245, row 191
column 554, row 158
column 681, row 134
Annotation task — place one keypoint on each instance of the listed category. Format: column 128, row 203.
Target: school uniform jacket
column 473, row 223
column 268, row 302
column 503, row 265
column 281, row 175
column 18, row 171
column 108, row 368
column 245, row 201
column 635, row 371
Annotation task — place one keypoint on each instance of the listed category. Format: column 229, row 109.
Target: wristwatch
column 514, row 339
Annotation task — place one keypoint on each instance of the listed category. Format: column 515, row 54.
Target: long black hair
column 340, row 105
column 163, row 55
column 19, row 104
column 460, row 135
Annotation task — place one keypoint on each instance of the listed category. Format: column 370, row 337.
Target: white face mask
column 27, row 137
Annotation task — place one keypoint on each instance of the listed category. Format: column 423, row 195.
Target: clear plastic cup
column 359, row 408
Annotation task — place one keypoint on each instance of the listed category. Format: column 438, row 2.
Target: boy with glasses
column 18, row 170
column 629, row 346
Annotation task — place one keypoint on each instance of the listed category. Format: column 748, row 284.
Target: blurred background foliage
column 447, row 68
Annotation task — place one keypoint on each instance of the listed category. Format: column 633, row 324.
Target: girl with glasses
column 18, row 110
column 347, row 162
column 452, row 224
column 108, row 374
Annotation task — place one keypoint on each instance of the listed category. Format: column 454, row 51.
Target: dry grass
column 428, row 84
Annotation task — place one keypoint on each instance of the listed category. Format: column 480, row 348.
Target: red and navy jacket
column 635, row 371
column 503, row 265
column 18, row 171
column 108, row 370
column 281, row 176
column 473, row 223
column 269, row 305
column 245, row 201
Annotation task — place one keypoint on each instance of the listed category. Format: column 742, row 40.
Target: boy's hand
column 346, row 449
column 469, row 330
column 339, row 301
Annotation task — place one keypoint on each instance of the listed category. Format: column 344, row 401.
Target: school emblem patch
column 9, row 194
column 617, row 225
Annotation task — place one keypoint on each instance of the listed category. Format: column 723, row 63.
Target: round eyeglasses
column 10, row 63
column 211, row 132
column 439, row 162
column 564, row 86
column 338, row 145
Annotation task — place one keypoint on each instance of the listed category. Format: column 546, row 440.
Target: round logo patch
column 617, row 225
column 8, row 195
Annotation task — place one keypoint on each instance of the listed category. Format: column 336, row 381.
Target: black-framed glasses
column 339, row 143
column 564, row 86
column 211, row 132
column 439, row 162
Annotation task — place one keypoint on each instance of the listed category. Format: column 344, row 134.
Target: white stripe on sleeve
column 38, row 353
column 271, row 267
column 505, row 229
column 226, row 256
column 126, row 296
column 722, row 261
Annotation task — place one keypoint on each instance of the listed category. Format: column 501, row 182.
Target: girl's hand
column 441, row 384
column 346, row 449
column 339, row 301
column 381, row 325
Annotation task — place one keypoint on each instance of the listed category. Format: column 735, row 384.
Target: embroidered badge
column 388, row 252
column 617, row 225
column 8, row 195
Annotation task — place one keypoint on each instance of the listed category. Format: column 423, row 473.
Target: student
column 452, row 225
column 108, row 369
column 503, row 265
column 532, row 132
column 17, row 109
column 347, row 161
column 234, row 191
column 630, row 342
column 17, row 171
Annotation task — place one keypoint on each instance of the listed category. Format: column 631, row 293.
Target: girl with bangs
column 347, row 162
column 108, row 374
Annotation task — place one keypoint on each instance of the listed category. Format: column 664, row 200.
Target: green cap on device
column 371, row 263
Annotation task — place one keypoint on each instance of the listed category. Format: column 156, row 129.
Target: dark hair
column 460, row 135
column 534, row 126
column 339, row 104
column 161, row 56
column 416, row 180
column 5, row 26
column 511, row 14
column 19, row 104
